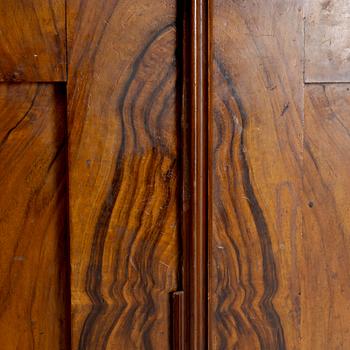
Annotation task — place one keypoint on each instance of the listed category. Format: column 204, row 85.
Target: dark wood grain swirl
column 230, row 136
column 256, row 151
column 123, row 177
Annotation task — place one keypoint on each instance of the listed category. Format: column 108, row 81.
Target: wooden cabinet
column 174, row 175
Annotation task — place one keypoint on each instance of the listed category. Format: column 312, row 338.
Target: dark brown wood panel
column 256, row 182
column 326, row 235
column 34, row 295
column 33, row 40
column 327, row 41
column 123, row 172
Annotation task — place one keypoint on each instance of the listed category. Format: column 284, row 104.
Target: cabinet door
column 185, row 164
column 280, row 157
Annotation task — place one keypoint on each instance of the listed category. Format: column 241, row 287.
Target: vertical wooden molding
column 198, row 173
column 195, row 171
column 178, row 303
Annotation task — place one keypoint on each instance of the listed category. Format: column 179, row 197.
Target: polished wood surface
column 196, row 78
column 34, row 293
column 325, row 307
column 208, row 193
column 327, row 41
column 123, row 165
column 256, row 180
column 179, row 321
column 32, row 40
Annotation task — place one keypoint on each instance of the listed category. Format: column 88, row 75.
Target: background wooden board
column 33, row 40
column 123, row 172
column 326, row 235
column 34, row 294
column 327, row 41
column 256, row 155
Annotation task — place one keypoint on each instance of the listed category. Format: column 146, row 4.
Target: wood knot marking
column 285, row 109
column 311, row 204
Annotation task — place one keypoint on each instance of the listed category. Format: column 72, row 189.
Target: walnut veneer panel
column 34, row 291
column 33, row 40
column 256, row 158
column 123, row 172
column 325, row 307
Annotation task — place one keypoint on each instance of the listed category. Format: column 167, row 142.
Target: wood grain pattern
column 123, row 172
column 326, row 234
column 33, row 271
column 327, row 41
column 33, row 38
column 256, row 180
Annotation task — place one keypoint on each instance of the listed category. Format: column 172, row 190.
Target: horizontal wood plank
column 32, row 40
column 34, row 294
column 327, row 41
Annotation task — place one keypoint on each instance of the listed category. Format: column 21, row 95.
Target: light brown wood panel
column 34, row 294
column 33, row 40
column 123, row 172
column 327, row 41
column 326, row 235
column 256, row 158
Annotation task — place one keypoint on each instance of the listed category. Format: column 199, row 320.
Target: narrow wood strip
column 198, row 120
